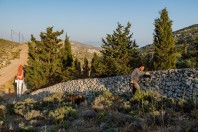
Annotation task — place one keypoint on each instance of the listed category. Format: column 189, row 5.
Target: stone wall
column 176, row 83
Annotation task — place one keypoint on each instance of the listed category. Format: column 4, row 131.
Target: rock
column 139, row 123
column 196, row 86
column 173, row 129
column 12, row 126
column 46, row 128
column 87, row 114
column 103, row 126
column 37, row 123
column 78, row 122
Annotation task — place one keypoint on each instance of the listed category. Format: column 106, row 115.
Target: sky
column 88, row 21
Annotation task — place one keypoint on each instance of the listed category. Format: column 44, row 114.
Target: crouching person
column 135, row 77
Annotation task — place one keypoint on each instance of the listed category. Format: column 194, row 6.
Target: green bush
column 107, row 101
column 61, row 113
column 33, row 114
column 56, row 97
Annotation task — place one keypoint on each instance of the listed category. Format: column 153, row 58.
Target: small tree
column 67, row 53
column 86, row 68
column 98, row 68
column 68, row 70
column 77, row 69
column 119, row 51
column 165, row 54
column 189, row 57
column 44, row 59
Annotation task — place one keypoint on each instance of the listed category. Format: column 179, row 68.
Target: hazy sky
column 88, row 21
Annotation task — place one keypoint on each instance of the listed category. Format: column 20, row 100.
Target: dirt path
column 8, row 73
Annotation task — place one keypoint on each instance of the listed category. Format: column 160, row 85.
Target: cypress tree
column 164, row 45
column 86, row 68
column 67, row 53
column 68, row 71
column 98, row 68
column 44, row 59
column 119, row 51
column 77, row 69
column 93, row 65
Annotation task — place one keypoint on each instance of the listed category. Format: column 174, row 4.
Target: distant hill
column 187, row 34
column 8, row 51
column 184, row 35
column 81, row 50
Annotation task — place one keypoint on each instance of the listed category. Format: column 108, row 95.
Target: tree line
column 50, row 61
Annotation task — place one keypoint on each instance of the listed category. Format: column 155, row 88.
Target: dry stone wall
column 176, row 83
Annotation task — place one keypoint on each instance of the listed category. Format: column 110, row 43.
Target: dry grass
column 8, row 88
column 8, row 51
column 146, row 112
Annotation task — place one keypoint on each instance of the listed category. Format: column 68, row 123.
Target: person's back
column 20, row 75
column 19, row 80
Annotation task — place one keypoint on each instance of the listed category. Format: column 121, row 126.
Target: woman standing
column 19, row 80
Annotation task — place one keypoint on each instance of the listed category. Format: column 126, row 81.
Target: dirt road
column 7, row 73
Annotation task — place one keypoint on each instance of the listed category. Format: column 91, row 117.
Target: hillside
column 8, row 51
column 187, row 34
column 81, row 51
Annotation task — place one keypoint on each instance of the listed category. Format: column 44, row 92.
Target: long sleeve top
column 20, row 74
column 136, row 74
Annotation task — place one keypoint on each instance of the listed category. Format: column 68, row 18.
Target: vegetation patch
column 148, row 111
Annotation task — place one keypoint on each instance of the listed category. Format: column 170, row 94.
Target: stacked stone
column 176, row 83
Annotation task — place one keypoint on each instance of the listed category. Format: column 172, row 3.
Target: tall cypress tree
column 67, row 53
column 44, row 59
column 86, row 68
column 119, row 51
column 77, row 69
column 68, row 70
column 165, row 54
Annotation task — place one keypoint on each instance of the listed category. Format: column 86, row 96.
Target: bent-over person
column 135, row 77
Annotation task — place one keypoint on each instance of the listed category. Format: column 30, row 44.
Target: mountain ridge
column 183, row 35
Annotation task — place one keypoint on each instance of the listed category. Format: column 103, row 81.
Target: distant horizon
column 89, row 21
column 94, row 44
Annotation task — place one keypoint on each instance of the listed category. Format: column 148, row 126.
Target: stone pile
column 176, row 83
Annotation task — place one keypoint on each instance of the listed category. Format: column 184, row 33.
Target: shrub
column 2, row 114
column 101, row 116
column 10, row 108
column 23, row 107
column 56, row 97
column 33, row 114
column 61, row 113
column 107, row 101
